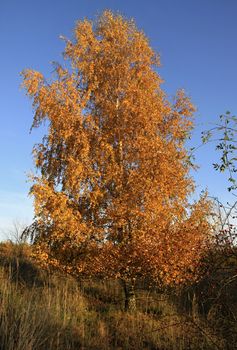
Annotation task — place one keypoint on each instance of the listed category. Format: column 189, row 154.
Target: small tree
column 223, row 134
column 111, row 198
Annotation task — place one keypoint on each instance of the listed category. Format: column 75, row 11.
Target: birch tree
column 112, row 183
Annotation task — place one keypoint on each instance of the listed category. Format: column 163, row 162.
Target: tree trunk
column 130, row 297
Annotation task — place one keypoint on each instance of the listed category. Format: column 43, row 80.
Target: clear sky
column 197, row 41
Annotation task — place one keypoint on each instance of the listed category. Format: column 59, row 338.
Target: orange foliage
column 112, row 194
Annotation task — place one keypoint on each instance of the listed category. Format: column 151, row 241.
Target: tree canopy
column 112, row 187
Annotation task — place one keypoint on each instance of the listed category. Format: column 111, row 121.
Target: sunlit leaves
column 111, row 198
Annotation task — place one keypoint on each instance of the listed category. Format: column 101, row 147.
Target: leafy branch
column 225, row 133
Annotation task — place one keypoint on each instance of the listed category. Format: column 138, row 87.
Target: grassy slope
column 40, row 311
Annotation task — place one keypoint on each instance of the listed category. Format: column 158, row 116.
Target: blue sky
column 197, row 41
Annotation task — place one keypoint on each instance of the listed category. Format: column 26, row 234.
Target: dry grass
column 38, row 311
